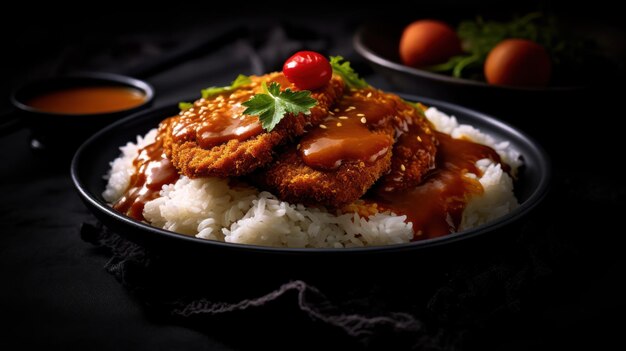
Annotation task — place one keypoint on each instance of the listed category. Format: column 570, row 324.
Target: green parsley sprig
column 241, row 80
column 418, row 106
column 273, row 105
column 346, row 72
column 183, row 106
column 479, row 37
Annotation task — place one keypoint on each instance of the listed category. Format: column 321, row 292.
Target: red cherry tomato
column 308, row 70
column 518, row 62
column 428, row 42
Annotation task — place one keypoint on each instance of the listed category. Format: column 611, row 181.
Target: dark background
column 559, row 283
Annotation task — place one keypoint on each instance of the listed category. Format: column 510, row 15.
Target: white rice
column 211, row 209
column 449, row 125
column 497, row 198
column 122, row 167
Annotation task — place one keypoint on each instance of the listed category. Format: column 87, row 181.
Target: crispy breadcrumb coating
column 238, row 157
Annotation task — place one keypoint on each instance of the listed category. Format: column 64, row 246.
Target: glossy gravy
column 216, row 120
column 152, row 171
column 88, row 100
column 349, row 133
column 436, row 206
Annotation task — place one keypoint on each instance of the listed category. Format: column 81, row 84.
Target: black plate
column 91, row 162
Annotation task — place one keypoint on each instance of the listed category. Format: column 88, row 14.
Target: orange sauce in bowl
column 88, row 100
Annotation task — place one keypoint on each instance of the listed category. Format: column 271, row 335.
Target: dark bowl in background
column 378, row 45
column 59, row 131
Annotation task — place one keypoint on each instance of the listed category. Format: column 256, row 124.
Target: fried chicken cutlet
column 338, row 161
column 214, row 138
column 413, row 152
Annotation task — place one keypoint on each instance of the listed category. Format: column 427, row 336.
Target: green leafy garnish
column 238, row 82
column 185, row 105
column 479, row 37
column 346, row 72
column 272, row 105
column 421, row 108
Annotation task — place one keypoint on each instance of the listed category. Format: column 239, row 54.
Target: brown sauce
column 152, row 171
column 218, row 119
column 435, row 207
column 347, row 134
column 413, row 152
column 88, row 100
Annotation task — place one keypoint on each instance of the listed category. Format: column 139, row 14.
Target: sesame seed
column 369, row 94
column 343, row 117
column 298, row 147
column 339, row 124
column 363, row 120
column 360, row 114
column 323, row 126
column 331, row 113
column 419, row 139
column 402, row 168
column 337, row 110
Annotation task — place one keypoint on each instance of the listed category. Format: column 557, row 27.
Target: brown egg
column 518, row 62
column 428, row 42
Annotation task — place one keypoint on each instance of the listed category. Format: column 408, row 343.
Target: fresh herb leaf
column 421, row 108
column 346, row 72
column 272, row 105
column 185, row 105
column 241, row 80
column 479, row 37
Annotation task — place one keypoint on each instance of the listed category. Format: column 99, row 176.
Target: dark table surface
column 558, row 283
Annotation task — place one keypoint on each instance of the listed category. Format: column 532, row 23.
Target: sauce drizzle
column 435, row 207
column 152, row 171
column 350, row 132
column 218, row 119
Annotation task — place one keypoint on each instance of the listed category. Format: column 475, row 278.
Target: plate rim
column 535, row 198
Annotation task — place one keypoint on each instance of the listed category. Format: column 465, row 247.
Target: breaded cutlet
column 292, row 179
column 195, row 155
